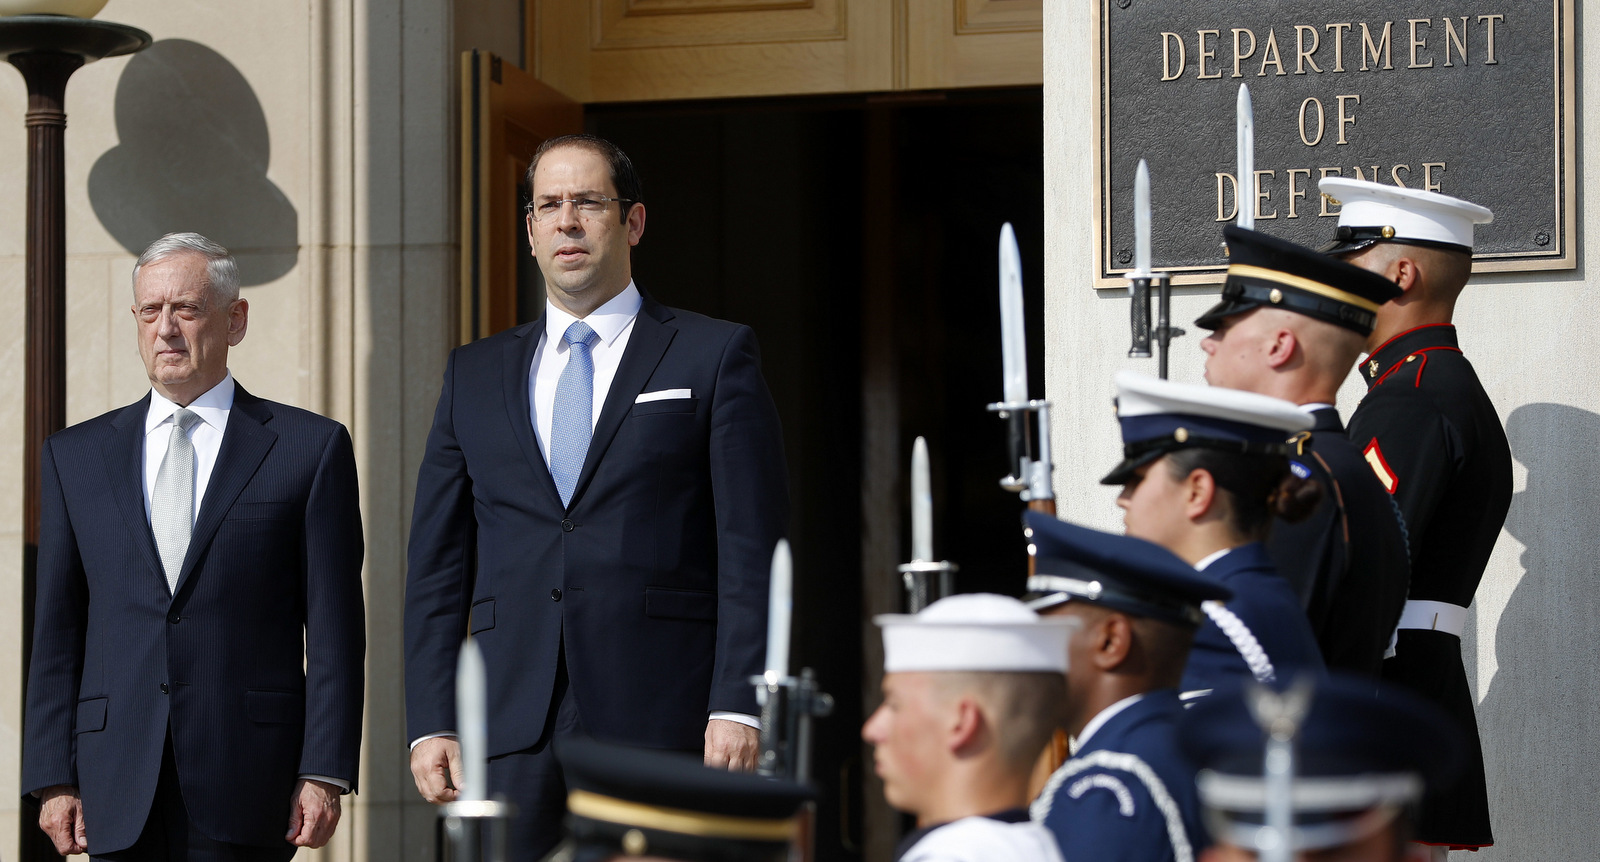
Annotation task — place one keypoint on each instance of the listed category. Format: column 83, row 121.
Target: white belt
column 1433, row 616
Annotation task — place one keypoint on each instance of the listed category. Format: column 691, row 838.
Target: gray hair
column 222, row 273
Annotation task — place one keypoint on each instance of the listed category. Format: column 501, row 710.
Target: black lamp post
column 47, row 49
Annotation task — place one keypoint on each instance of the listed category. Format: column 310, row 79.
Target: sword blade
column 1013, row 338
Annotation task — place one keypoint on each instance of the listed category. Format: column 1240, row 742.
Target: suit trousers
column 170, row 836
column 531, row 780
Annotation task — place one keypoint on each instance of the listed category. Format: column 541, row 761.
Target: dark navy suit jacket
column 654, row 579
column 1128, row 794
column 1266, row 632
column 255, row 662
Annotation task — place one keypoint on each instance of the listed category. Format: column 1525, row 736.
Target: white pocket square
column 661, row 395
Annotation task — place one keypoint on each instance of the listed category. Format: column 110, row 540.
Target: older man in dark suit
column 600, row 497
column 199, row 637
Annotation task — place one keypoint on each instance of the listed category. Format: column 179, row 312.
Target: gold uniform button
column 1276, row 296
column 1388, row 231
column 1181, row 435
column 634, row 843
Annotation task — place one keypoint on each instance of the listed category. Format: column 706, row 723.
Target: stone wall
column 316, row 139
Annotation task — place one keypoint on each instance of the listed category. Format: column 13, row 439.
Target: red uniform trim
column 1399, row 335
column 1398, row 365
column 1380, row 467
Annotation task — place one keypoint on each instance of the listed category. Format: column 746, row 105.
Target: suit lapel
column 124, row 457
column 648, row 343
column 244, row 444
column 518, row 361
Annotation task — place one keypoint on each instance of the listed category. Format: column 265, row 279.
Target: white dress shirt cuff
column 741, row 718
column 419, row 740
column 344, row 786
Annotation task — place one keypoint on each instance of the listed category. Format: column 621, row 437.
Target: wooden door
column 505, row 114
column 653, row 50
column 973, row 43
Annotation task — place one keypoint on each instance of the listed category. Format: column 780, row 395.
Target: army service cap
column 1160, row 416
column 1078, row 564
column 1363, row 753
column 1372, row 212
column 624, row 801
column 1265, row 271
column 974, row 632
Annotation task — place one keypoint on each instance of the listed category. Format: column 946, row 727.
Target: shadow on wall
column 1541, row 715
column 192, row 155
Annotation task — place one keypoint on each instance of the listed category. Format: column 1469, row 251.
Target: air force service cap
column 1362, row 753
column 624, row 801
column 1265, row 271
column 974, row 632
column 1077, row 564
column 1159, row 416
column 1371, row 212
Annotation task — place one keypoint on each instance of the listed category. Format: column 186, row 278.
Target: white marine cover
column 1413, row 213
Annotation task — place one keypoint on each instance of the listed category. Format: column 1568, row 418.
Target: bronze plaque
column 1469, row 100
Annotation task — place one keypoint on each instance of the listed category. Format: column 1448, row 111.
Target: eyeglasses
column 588, row 208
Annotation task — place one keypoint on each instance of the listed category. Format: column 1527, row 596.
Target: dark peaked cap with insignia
column 1077, row 564
column 1160, row 416
column 640, row 802
column 1266, row 271
column 1363, row 752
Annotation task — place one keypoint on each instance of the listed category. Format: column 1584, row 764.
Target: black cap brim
column 1346, row 246
column 1123, row 472
column 1228, row 307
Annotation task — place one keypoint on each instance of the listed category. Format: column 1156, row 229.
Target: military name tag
column 1468, row 100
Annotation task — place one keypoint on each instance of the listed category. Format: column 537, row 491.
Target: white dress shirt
column 213, row 407
column 1205, row 562
column 1100, row 719
column 613, row 325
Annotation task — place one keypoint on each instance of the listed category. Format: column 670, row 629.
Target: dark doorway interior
column 858, row 237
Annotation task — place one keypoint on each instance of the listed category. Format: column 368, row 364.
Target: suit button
column 568, row 526
column 555, row 595
column 173, row 618
column 163, row 688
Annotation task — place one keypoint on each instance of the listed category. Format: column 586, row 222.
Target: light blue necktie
column 572, row 416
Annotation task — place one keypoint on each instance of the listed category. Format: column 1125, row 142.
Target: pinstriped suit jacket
column 255, row 662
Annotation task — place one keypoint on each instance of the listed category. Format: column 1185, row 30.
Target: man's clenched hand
column 731, row 745
column 436, row 767
column 61, row 818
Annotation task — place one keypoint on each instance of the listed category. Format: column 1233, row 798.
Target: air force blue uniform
column 1261, row 633
column 1128, row 794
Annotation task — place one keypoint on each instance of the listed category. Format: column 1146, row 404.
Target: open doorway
column 857, row 235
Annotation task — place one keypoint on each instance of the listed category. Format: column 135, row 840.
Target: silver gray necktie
column 172, row 503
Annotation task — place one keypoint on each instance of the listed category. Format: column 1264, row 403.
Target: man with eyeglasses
column 598, row 504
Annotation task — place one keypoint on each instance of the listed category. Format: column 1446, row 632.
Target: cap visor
column 1222, row 311
column 1123, row 473
column 1345, row 246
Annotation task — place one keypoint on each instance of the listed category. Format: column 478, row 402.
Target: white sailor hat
column 1159, row 416
column 1371, row 212
column 974, row 632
